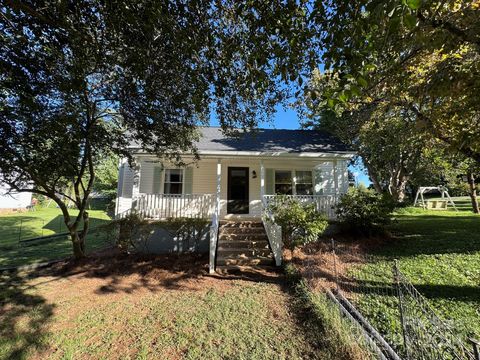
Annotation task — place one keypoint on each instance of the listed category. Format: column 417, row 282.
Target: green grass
column 439, row 252
column 135, row 313
column 42, row 222
column 338, row 338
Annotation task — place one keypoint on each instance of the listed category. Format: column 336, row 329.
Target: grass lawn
column 165, row 308
column 44, row 221
column 439, row 252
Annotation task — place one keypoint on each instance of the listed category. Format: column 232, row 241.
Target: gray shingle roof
column 271, row 141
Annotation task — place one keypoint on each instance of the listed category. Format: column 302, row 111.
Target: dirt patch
column 110, row 274
column 319, row 265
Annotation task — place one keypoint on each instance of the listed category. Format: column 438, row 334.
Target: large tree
column 423, row 55
column 81, row 80
column 385, row 136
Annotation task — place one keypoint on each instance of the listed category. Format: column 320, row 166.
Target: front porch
column 237, row 188
column 231, row 189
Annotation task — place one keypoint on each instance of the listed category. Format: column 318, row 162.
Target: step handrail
column 213, row 242
column 274, row 234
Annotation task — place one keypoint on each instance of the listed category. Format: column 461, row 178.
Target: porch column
column 121, row 177
column 335, row 176
column 219, row 187
column 262, row 182
column 136, row 186
column 136, row 180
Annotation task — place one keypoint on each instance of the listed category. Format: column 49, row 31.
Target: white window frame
column 295, row 183
column 293, row 173
column 164, row 177
column 291, row 180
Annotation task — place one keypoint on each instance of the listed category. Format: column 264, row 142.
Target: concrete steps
column 242, row 244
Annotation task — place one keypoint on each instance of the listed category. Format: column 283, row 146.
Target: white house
column 236, row 178
column 12, row 200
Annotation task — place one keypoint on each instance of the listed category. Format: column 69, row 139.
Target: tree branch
column 448, row 26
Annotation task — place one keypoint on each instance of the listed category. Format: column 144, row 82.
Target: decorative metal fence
column 384, row 299
column 425, row 335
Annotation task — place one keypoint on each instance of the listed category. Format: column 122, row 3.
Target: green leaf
column 414, row 4
column 344, row 96
column 355, row 90
column 362, row 82
column 410, row 20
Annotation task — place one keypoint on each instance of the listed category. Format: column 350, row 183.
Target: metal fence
column 389, row 308
column 39, row 249
column 425, row 335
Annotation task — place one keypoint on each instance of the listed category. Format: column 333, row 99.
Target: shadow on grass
column 172, row 272
column 121, row 274
column 57, row 224
column 24, row 317
column 433, row 234
column 429, row 291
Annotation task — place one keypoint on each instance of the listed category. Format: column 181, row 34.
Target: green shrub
column 300, row 223
column 363, row 211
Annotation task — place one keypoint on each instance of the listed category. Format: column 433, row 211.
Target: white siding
column 327, row 182
column 342, row 173
column 146, row 177
column 205, row 177
column 125, row 188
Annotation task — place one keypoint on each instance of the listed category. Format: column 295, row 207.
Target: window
column 303, row 183
column 173, row 181
column 283, row 182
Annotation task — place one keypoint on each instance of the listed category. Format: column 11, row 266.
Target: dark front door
column 237, row 197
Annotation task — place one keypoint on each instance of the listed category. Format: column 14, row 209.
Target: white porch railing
column 323, row 203
column 274, row 235
column 162, row 206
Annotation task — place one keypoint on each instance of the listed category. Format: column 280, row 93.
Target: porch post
column 262, row 183
column 215, row 221
column 335, row 176
column 121, row 177
column 219, row 182
column 136, row 186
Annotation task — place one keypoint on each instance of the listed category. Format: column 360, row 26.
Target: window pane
column 283, row 177
column 173, row 181
column 174, row 175
column 283, row 189
column 173, row 188
column 238, row 173
column 304, row 177
column 304, row 189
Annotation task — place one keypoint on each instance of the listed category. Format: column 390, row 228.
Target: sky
column 289, row 119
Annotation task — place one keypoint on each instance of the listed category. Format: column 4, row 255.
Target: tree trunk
column 397, row 188
column 78, row 244
column 373, row 177
column 473, row 193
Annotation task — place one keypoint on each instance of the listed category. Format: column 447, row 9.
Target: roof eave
column 278, row 154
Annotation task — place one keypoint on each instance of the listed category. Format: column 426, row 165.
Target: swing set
column 441, row 204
